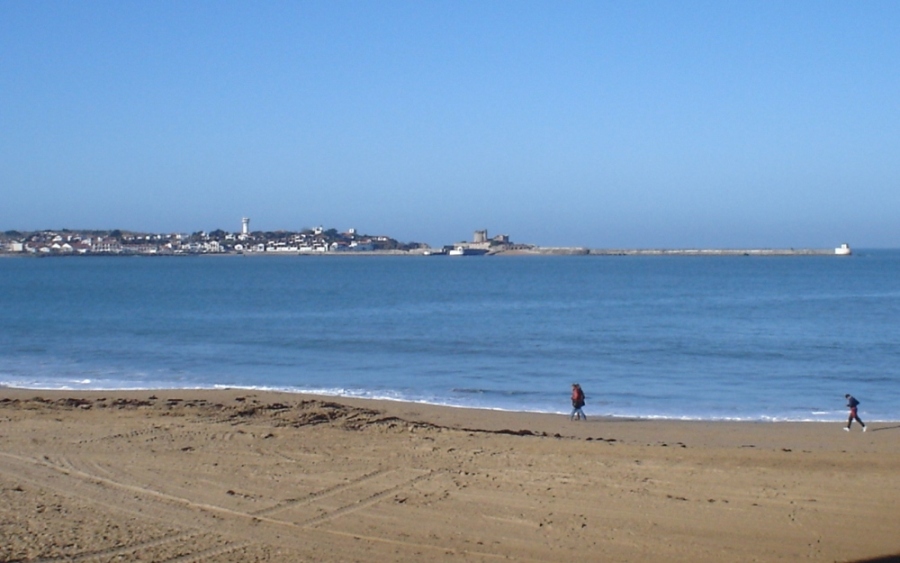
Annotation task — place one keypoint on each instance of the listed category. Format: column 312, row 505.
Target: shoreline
column 734, row 432
column 236, row 475
column 839, row 418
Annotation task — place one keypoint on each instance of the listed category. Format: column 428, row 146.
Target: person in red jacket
column 853, row 403
column 577, row 403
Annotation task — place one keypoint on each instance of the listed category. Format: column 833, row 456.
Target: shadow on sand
column 884, row 559
column 879, row 430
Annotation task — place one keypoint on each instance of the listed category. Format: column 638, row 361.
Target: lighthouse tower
column 245, row 226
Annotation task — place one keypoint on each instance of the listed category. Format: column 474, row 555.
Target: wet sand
column 236, row 475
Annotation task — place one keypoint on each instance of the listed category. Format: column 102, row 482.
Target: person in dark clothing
column 853, row 403
column 577, row 403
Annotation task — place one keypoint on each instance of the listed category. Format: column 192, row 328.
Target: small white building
column 362, row 246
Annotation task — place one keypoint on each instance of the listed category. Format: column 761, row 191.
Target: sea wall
column 713, row 252
column 581, row 251
column 544, row 251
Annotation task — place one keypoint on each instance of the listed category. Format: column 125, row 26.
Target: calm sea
column 745, row 338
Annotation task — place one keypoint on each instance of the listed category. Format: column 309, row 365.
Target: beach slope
column 231, row 475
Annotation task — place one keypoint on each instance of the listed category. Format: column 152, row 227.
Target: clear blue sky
column 601, row 124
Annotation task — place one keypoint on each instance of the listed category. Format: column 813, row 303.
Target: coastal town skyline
column 319, row 240
column 243, row 240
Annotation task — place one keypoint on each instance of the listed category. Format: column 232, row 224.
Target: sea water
column 710, row 338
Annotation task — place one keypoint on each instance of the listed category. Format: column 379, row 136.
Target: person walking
column 853, row 403
column 577, row 403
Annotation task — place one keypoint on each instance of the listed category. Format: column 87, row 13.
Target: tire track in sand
column 324, row 493
column 222, row 522
column 124, row 550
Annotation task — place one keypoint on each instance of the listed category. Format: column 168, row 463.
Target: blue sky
column 601, row 124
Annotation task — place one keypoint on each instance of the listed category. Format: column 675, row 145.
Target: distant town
column 316, row 241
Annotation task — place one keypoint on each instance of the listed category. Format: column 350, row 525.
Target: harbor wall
column 581, row 251
column 716, row 252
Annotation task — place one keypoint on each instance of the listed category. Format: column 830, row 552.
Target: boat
column 467, row 251
column 843, row 250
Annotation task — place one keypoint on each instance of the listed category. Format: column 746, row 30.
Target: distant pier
column 581, row 251
column 717, row 252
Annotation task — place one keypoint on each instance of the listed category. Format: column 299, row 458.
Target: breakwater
column 715, row 252
column 582, row 251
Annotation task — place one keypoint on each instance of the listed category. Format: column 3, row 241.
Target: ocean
column 705, row 338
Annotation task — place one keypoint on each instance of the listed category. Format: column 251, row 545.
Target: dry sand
column 251, row 476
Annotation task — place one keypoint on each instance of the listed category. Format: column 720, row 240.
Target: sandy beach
column 236, row 475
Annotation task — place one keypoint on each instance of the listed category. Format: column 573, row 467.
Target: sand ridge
column 236, row 475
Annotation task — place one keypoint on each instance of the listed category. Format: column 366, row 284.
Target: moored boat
column 467, row 251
